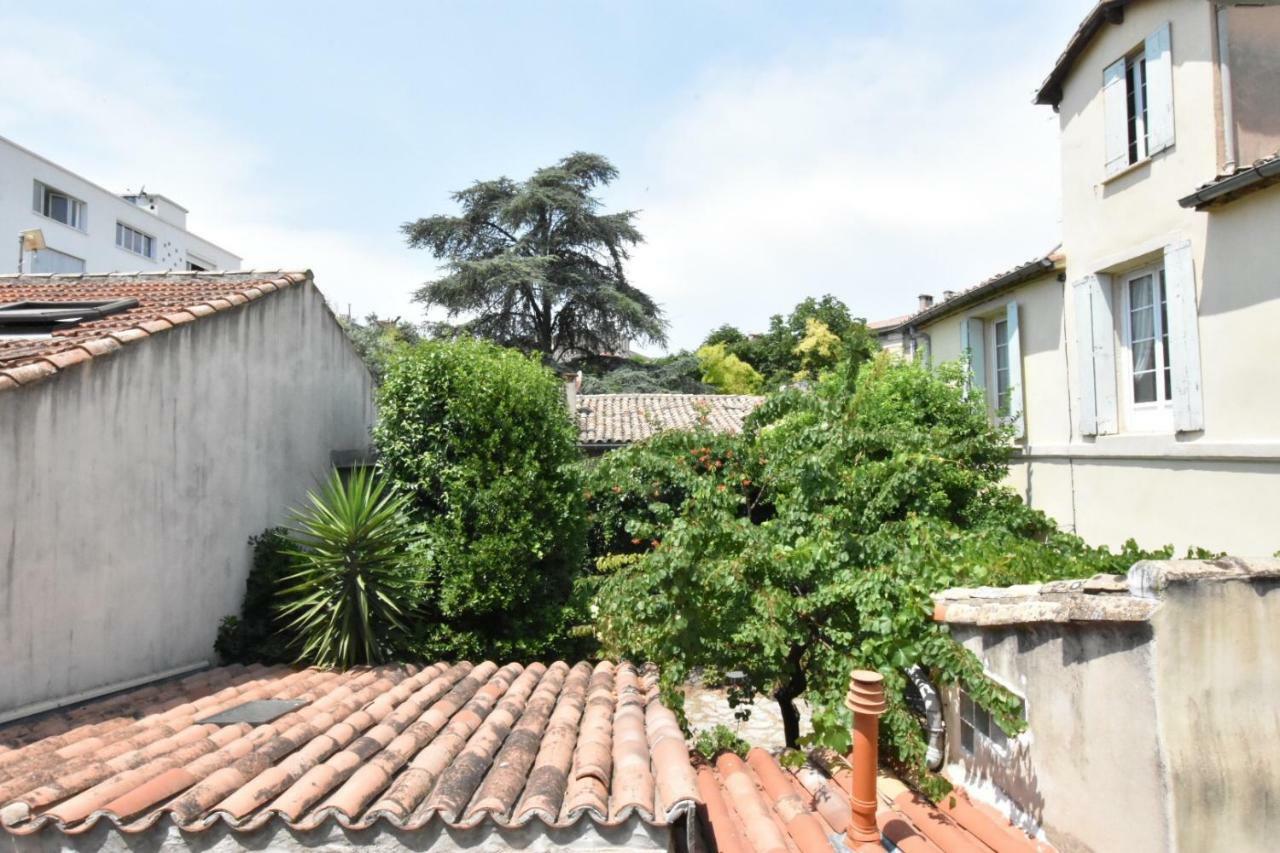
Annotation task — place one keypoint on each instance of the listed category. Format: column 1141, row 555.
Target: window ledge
column 1134, row 167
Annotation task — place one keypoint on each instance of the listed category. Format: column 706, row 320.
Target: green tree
column 672, row 374
column 537, row 265
column 726, row 372
column 378, row 340
column 814, row 549
column 481, row 438
column 819, row 349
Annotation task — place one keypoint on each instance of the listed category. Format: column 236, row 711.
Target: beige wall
column 132, row 483
column 1139, row 484
column 1188, row 765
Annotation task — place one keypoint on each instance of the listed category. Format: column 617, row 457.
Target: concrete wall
column 132, row 483
column 1142, row 736
column 1090, row 743
column 96, row 243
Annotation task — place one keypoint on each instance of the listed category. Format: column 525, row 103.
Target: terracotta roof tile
column 165, row 300
column 457, row 744
column 613, row 419
column 758, row 806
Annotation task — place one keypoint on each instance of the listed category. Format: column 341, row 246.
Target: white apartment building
column 87, row 228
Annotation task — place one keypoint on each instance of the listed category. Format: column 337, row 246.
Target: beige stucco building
column 1134, row 358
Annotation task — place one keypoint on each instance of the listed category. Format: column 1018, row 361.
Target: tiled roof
column 613, row 419
column 1106, row 11
column 758, row 806
column 982, row 290
column 165, row 300
column 1238, row 182
column 408, row 746
column 888, row 322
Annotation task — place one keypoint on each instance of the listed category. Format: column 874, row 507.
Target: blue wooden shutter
column 1016, row 412
column 1096, row 352
column 1159, row 91
column 1115, row 112
column 1184, row 337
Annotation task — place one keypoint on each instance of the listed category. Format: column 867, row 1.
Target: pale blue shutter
column 1159, row 92
column 973, row 348
column 1184, row 337
column 1115, row 112
column 1096, row 352
column 1014, row 349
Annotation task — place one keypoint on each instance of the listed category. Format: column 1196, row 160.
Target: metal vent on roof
column 255, row 713
column 36, row 316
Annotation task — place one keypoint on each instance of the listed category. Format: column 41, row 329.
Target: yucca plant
column 353, row 572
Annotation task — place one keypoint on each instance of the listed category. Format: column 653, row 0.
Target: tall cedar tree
column 535, row 265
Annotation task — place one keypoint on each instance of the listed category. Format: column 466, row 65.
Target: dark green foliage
column 634, row 493
column 480, row 437
column 352, row 554
column 673, row 374
column 253, row 636
column 379, row 340
column 814, row 549
column 536, row 265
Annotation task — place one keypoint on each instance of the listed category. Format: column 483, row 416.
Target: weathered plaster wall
column 1254, row 32
column 1218, row 683
column 132, row 482
column 1087, row 770
column 1142, row 736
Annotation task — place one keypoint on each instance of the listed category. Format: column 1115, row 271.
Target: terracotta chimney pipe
column 866, row 700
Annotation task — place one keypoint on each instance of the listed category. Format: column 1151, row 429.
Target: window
column 1146, row 335
column 133, row 240
column 52, row 261
column 33, row 317
column 58, row 206
column 1137, row 94
column 977, row 726
column 1001, row 364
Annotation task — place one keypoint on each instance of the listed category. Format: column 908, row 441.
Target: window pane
column 1144, row 357
column 1168, row 384
column 1144, row 388
column 119, row 234
column 981, row 719
column 966, row 738
column 998, row 736
column 57, row 205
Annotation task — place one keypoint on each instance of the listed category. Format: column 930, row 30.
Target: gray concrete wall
column 1087, row 770
column 1218, row 690
column 1142, row 736
column 131, row 483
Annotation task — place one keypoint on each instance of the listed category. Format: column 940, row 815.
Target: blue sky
column 874, row 150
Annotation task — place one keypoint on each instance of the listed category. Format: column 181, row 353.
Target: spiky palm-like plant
column 354, row 576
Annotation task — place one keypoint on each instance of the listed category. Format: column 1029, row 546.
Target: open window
column 1138, row 103
column 993, row 346
column 59, row 206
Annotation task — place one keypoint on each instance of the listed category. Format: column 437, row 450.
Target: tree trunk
column 786, row 696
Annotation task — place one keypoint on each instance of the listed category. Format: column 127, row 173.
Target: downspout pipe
column 935, row 727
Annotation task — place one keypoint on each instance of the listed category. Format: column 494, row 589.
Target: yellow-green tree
column 728, row 373
column 818, row 350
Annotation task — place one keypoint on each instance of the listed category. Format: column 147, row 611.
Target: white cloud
column 83, row 107
column 874, row 170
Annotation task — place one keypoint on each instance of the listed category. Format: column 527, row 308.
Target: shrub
column 481, row 438
column 353, row 575
column 710, row 743
column 253, row 636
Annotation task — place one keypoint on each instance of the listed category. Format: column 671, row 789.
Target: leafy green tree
column 726, row 372
column 819, row 349
column 814, row 550
column 537, row 265
column 480, row 436
column 353, row 577
column 726, row 334
column 378, row 340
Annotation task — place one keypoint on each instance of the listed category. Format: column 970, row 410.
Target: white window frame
column 1155, row 416
column 145, row 240
column 995, row 324
column 1135, row 65
column 77, row 210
